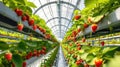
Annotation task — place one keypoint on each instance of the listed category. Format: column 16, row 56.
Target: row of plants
column 8, row 40
column 12, row 34
column 23, row 9
column 16, row 54
column 78, row 55
column 91, row 15
column 50, row 60
column 4, row 32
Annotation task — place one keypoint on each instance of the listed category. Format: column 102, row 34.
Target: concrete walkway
column 61, row 60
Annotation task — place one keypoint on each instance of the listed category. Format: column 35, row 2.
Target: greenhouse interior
column 59, row 33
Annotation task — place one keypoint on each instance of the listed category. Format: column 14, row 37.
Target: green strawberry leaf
column 17, row 60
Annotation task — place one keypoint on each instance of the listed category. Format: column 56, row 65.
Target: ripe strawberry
column 102, row 43
column 79, row 48
column 78, row 30
column 86, row 65
column 83, row 39
column 35, row 53
column 44, row 31
column 74, row 33
column 78, row 44
column 31, row 22
column 78, row 62
column 28, row 17
column 47, row 36
column 85, row 25
column 94, row 27
column 44, row 48
column 24, row 18
column 20, row 27
column 77, row 17
column 8, row 56
column 98, row 62
column 34, row 27
column 18, row 12
column 30, row 54
column 24, row 64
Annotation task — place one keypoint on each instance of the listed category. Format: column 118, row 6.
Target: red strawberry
column 44, row 48
column 47, row 36
column 83, row 39
column 74, row 33
column 31, row 22
column 24, row 64
column 94, row 27
column 24, row 18
column 85, row 25
column 102, row 43
column 19, row 12
column 28, row 17
column 77, row 17
column 8, row 56
column 78, row 30
column 34, row 27
column 78, row 62
column 16, row 10
column 98, row 63
column 20, row 27
column 78, row 44
column 86, row 65
column 30, row 54
column 44, row 31
column 79, row 48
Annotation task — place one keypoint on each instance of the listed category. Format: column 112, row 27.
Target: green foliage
column 3, row 45
column 17, row 60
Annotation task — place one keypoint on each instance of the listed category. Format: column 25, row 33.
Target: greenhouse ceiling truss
column 59, row 5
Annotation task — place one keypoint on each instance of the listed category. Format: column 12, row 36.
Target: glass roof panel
column 66, row 10
column 63, row 28
column 64, row 22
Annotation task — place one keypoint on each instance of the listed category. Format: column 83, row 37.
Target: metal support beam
column 58, row 25
column 58, row 30
column 58, row 18
column 55, row 2
column 77, row 3
column 59, row 14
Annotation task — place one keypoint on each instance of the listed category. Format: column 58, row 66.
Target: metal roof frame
column 58, row 18
column 55, row 2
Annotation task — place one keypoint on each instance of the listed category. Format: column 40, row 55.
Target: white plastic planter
column 36, row 61
column 7, row 12
column 111, row 20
